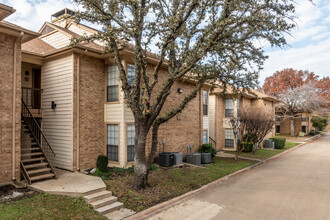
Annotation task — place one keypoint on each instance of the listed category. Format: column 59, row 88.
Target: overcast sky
column 309, row 45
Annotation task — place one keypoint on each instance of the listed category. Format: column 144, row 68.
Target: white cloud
column 314, row 57
column 32, row 14
column 310, row 44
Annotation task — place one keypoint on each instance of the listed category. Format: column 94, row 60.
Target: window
column 112, row 85
column 278, row 129
column 238, row 139
column 238, row 103
column 278, row 118
column 205, row 137
column 229, row 108
column 229, row 138
column 303, row 129
column 303, row 118
column 130, row 73
column 112, row 142
column 205, row 99
column 130, row 142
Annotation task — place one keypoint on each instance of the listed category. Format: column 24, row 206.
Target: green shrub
column 207, row 148
column 319, row 122
column 279, row 142
column 119, row 170
column 153, row 167
column 248, row 146
column 102, row 163
column 250, row 137
column 312, row 133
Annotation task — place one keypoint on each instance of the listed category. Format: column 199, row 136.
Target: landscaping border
column 165, row 205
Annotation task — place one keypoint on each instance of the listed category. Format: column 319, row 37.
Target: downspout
column 78, row 105
column 13, row 138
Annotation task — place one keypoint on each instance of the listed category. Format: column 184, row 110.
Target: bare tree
column 252, row 125
column 300, row 99
column 201, row 40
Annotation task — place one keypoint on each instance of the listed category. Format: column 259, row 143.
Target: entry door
column 36, row 91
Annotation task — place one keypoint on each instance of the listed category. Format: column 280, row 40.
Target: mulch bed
column 9, row 193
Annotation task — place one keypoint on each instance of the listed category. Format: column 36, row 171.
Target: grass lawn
column 264, row 154
column 170, row 183
column 45, row 206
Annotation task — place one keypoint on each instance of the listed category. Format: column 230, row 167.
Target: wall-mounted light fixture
column 53, row 105
column 180, row 90
column 27, row 73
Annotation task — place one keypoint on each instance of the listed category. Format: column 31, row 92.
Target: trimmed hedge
column 102, row 163
column 207, row 148
column 312, row 133
column 248, row 146
column 279, row 142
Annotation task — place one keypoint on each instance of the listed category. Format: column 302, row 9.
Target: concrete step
column 97, row 196
column 120, row 214
column 46, row 176
column 94, row 191
column 103, row 202
column 110, row 208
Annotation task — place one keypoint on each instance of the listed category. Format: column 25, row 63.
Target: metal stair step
column 45, row 176
column 38, row 171
column 30, row 149
column 110, row 208
column 96, row 196
column 33, row 159
column 31, row 154
column 103, row 202
column 35, row 165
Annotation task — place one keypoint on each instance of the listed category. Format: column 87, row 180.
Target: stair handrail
column 213, row 142
column 36, row 130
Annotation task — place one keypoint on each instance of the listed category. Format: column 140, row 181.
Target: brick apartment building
column 73, row 110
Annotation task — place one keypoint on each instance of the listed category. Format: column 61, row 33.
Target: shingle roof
column 37, row 46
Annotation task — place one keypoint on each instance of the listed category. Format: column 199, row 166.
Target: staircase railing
column 38, row 135
column 213, row 142
column 32, row 97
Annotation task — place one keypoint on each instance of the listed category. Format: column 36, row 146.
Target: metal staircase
column 36, row 160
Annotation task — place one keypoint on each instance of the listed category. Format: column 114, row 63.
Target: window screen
column 112, row 86
column 229, row 138
column 130, row 73
column 130, row 142
column 205, row 100
column 112, row 142
column 229, row 108
column 204, row 136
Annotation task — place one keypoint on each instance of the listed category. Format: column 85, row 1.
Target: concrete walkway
column 91, row 188
column 227, row 155
column 295, row 186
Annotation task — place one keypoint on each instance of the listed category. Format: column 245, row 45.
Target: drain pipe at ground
column 78, row 105
column 13, row 150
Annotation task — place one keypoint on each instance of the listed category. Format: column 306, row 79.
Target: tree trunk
column 141, row 168
column 292, row 125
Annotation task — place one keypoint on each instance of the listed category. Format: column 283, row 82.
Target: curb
column 165, row 205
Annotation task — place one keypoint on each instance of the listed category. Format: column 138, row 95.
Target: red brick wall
column 92, row 92
column 6, row 103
